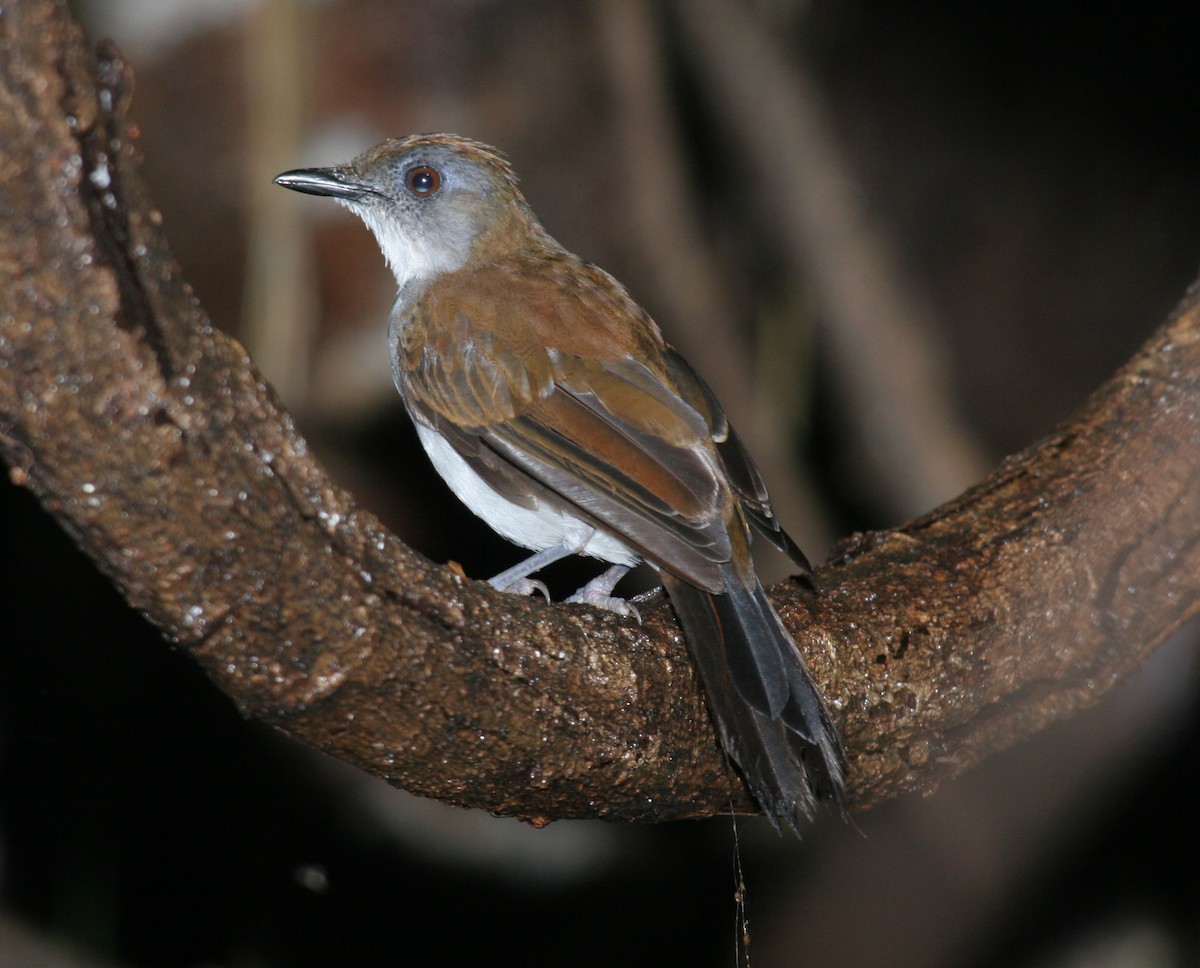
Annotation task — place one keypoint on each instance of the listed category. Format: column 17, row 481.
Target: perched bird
column 552, row 406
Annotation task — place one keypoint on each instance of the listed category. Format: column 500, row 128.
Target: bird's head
column 431, row 200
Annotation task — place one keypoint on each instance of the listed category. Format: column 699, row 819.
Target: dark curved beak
column 333, row 182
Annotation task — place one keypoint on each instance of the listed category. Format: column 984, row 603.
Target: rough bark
column 154, row 441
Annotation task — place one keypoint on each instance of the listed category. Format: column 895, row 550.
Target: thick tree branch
column 153, row 440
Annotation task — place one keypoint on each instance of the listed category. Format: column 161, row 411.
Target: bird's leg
column 599, row 592
column 516, row 579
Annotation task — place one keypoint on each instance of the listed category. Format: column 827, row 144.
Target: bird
column 553, row 407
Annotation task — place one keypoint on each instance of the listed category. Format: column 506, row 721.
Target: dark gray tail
column 773, row 723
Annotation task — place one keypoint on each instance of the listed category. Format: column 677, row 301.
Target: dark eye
column 423, row 181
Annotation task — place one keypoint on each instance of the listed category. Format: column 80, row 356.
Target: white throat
column 413, row 256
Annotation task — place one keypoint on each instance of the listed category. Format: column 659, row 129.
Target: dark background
column 1034, row 172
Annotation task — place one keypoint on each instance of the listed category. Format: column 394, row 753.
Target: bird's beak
column 333, row 182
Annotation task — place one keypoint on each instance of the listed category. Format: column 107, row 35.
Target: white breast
column 537, row 528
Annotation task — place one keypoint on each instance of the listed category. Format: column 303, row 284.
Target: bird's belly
column 535, row 528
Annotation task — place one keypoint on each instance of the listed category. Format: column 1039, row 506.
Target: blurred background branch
column 887, row 369
column 281, row 299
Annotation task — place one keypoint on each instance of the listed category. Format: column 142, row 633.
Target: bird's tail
column 770, row 715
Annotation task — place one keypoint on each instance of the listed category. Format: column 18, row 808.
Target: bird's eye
column 423, row 181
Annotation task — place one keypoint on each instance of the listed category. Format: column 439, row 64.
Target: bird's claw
column 609, row 603
column 524, row 586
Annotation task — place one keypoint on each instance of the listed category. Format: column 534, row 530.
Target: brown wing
column 741, row 471
column 532, row 385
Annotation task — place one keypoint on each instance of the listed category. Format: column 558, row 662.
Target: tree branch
column 151, row 437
